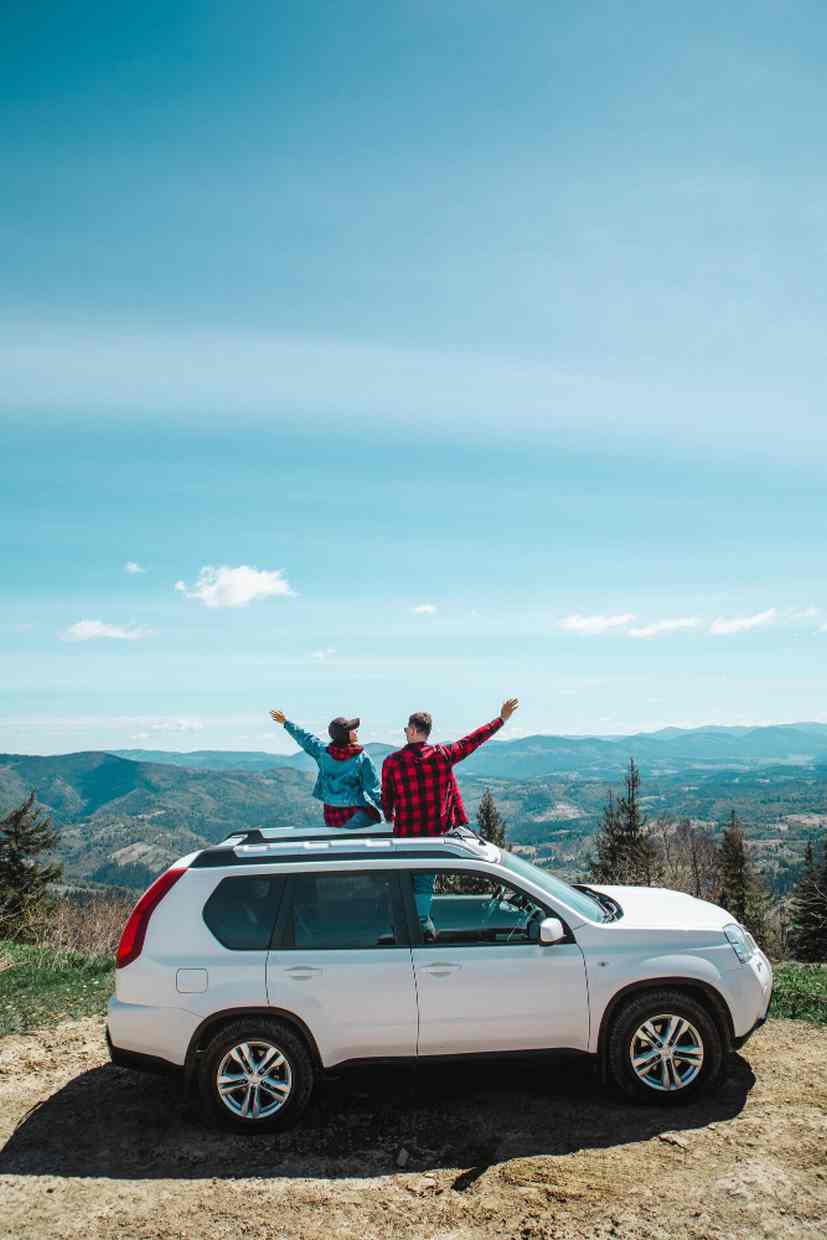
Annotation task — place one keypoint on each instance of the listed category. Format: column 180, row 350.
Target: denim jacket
column 351, row 782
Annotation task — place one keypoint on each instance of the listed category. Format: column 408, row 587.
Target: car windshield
column 586, row 905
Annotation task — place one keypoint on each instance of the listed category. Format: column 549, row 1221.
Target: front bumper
column 760, row 1020
column 739, row 1042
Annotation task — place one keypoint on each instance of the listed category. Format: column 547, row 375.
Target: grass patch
column 800, row 992
column 39, row 986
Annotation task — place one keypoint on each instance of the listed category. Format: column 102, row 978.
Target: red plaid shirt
column 419, row 790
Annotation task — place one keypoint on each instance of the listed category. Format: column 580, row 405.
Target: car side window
column 470, row 908
column 343, row 909
column 242, row 911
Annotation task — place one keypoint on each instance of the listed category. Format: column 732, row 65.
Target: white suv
column 258, row 963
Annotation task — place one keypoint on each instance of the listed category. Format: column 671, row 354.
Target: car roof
column 291, row 845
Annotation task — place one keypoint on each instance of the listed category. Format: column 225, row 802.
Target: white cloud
column 167, row 725
column 822, row 628
column 665, row 626
column 425, row 609
column 90, row 630
column 802, row 613
column 321, row 655
column 236, row 587
column 595, row 624
column 132, row 567
column 742, row 624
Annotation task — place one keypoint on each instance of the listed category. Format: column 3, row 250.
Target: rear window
column 344, row 910
column 242, row 912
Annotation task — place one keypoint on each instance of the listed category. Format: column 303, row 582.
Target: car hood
column 658, row 908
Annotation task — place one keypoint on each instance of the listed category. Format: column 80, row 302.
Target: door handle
column 302, row 972
column 440, row 968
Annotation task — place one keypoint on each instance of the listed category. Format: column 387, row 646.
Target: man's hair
column 422, row 721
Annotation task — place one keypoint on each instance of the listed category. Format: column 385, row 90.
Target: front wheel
column 665, row 1048
column 256, row 1076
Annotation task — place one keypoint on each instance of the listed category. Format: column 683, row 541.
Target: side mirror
column 551, row 930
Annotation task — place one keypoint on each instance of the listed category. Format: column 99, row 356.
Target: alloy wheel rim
column 666, row 1052
column 254, row 1079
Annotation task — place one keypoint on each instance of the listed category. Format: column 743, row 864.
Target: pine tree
column 808, row 910
column 821, row 881
column 734, row 882
column 25, row 835
column 607, row 866
column 490, row 821
column 626, row 851
column 742, row 892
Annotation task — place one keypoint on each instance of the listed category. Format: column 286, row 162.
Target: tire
column 279, row 1093
column 664, row 1075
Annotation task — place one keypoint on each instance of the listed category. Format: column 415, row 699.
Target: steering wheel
column 497, row 895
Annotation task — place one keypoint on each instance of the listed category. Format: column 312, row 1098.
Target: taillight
column 132, row 939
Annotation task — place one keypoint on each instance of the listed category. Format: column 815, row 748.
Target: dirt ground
column 528, row 1151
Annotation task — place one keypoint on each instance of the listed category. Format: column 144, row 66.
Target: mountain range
column 124, row 816
column 531, row 756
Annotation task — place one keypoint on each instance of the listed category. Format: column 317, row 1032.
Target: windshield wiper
column 610, row 907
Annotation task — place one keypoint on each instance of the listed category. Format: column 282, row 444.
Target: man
column 419, row 789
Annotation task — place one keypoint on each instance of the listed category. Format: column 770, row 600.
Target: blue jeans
column 423, row 894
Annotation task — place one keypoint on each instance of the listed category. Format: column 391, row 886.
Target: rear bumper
column 153, row 1032
column 140, row 1062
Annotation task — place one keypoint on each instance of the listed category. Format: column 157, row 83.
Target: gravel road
column 527, row 1151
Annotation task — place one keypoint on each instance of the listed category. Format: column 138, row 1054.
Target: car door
column 341, row 961
column 484, row 982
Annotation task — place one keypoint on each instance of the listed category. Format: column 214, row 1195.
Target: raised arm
column 462, row 748
column 309, row 743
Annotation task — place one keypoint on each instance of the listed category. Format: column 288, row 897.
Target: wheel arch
column 216, row 1020
column 712, row 1000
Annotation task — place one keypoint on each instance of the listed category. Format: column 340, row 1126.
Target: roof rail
column 255, row 835
column 247, row 847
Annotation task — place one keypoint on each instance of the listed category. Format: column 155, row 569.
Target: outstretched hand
column 508, row 707
column 278, row 716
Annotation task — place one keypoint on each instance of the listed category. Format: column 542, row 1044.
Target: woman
column 347, row 784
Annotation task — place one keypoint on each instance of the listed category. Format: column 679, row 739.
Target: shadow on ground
column 116, row 1123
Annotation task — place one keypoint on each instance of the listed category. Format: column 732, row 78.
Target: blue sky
column 434, row 352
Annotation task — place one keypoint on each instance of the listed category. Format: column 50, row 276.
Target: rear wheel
column 665, row 1048
column 256, row 1076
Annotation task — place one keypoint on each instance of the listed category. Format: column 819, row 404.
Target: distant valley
column 124, row 815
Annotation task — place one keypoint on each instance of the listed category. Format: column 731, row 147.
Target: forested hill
column 121, row 821
column 80, row 786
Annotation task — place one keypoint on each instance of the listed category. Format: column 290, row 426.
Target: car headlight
column 742, row 944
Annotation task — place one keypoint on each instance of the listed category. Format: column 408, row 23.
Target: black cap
column 339, row 729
